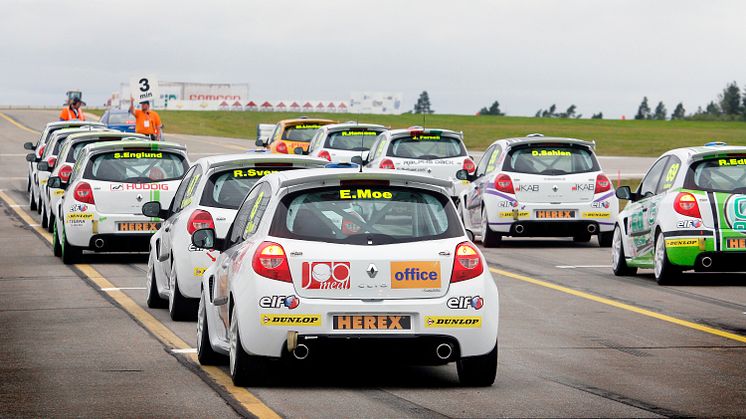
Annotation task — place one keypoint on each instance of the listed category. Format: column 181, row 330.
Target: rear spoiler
column 355, row 174
column 725, row 153
column 259, row 160
column 549, row 140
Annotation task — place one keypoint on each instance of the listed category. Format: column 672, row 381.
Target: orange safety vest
column 68, row 114
column 147, row 123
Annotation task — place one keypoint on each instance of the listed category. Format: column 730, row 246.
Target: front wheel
column 489, row 237
column 153, row 299
column 205, row 354
column 50, row 223
column 618, row 259
column 478, row 371
column 245, row 369
column 665, row 271
column 70, row 254
column 44, row 218
column 56, row 246
column 31, row 200
column 179, row 307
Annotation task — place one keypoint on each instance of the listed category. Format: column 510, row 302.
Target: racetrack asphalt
column 575, row 341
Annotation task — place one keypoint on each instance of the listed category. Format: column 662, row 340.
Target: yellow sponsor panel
column 199, row 271
column 596, row 214
column 510, row 214
column 59, row 192
column 79, row 216
column 682, row 242
column 415, row 274
column 453, row 322
column 290, row 319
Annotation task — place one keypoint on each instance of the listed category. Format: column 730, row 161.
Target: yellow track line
column 168, row 338
column 623, row 306
column 21, row 126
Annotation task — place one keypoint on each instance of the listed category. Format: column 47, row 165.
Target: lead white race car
column 320, row 263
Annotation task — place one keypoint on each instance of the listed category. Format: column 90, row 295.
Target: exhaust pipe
column 519, row 229
column 706, row 262
column 591, row 228
column 444, row 351
column 99, row 243
column 301, row 352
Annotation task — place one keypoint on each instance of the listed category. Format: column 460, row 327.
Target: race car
column 538, row 186
column 321, row 263
column 62, row 163
column 292, row 134
column 208, row 196
column 101, row 207
column 341, row 143
column 38, row 150
column 688, row 213
column 119, row 119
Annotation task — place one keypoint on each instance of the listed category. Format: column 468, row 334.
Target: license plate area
column 138, row 226
column 554, row 213
column 371, row 322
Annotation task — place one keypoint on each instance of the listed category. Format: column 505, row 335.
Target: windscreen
column 136, row 166
column 551, row 159
column 121, row 118
column 228, row 188
column 303, row 132
column 426, row 147
column 366, row 215
column 351, row 140
column 721, row 174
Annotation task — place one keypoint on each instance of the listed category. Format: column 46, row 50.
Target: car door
column 164, row 251
column 643, row 212
column 473, row 201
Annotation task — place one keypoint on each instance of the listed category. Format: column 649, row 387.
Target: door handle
column 644, row 210
column 167, row 229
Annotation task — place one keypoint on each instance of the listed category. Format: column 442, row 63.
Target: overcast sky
column 601, row 55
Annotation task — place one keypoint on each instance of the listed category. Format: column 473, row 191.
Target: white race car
column 321, row 263
column 208, row 196
column 38, row 150
column 341, row 143
column 101, row 207
column 539, row 186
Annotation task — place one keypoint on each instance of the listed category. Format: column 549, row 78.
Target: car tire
column 605, row 239
column 581, row 238
column 205, row 354
column 31, row 200
column 245, row 369
column 38, row 206
column 153, row 299
column 489, row 237
column 56, row 246
column 50, row 223
column 478, row 371
column 70, row 254
column 44, row 219
column 461, row 213
column 665, row 272
column 618, row 259
column 179, row 307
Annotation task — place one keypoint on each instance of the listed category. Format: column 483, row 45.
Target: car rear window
column 121, row 118
column 352, row 139
column 303, row 133
column 551, row 159
column 426, row 147
column 366, row 215
column 136, row 166
column 720, row 174
column 228, row 188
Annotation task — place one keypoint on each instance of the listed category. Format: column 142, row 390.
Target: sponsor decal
column 453, row 321
column 138, row 155
column 735, row 212
column 736, row 244
column 290, row 319
column 527, row 187
column 583, row 187
column 79, row 216
column 689, row 224
column 359, row 133
column 732, row 162
column 199, row 271
column 279, row 301
column 117, row 187
column 514, row 213
column 552, row 153
column 326, row 275
column 682, row 242
column 372, row 322
column 507, row 204
column 139, row 226
column 364, row 194
column 426, row 137
column 252, row 173
column 414, row 275
column 462, row 303
column 307, row 126
column 596, row 214
column 146, row 187
column 555, row 213
column 43, row 182
column 604, row 204
column 59, row 192
column 78, row 208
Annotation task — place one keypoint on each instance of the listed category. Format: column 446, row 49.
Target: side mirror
column 43, row 166
column 153, row 209
column 260, row 142
column 29, row 146
column 204, row 238
column 357, row 160
column 31, row 157
column 462, row 174
column 299, row 150
column 624, row 192
column 56, row 183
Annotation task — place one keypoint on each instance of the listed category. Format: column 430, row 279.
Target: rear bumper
column 131, row 243
column 720, row 262
column 83, row 229
column 550, row 228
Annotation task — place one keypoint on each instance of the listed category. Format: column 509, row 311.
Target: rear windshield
column 72, row 155
column 136, row 166
column 352, row 140
column 121, row 118
column 228, row 188
column 724, row 174
column 366, row 215
column 551, row 159
column 302, row 133
column 426, row 147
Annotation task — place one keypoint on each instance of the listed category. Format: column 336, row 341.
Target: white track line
column 581, row 266
column 122, row 288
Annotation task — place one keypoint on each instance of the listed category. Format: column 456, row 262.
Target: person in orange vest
column 147, row 121
column 73, row 111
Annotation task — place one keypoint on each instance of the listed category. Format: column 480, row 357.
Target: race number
column 144, row 88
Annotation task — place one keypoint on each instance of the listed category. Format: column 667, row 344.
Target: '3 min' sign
column 144, row 88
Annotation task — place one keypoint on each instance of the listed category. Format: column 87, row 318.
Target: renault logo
column 139, row 198
column 555, row 188
column 372, row 270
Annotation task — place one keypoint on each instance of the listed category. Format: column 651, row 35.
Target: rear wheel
column 478, row 371
column 606, row 239
column 665, row 271
column 489, row 237
column 153, row 299
column 38, row 206
column 618, row 259
column 50, row 223
column 179, row 307
column 31, row 200
column 245, row 369
column 44, row 219
column 205, row 353
column 70, row 254
column 56, row 246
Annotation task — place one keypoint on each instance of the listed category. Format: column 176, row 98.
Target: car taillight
column 467, row 264
column 325, row 155
column 282, row 148
column 469, row 166
column 504, row 183
column 686, row 204
column 40, row 151
column 65, row 172
column 84, row 193
column 270, row 261
column 198, row 220
column 51, row 161
column 386, row 164
column 603, row 184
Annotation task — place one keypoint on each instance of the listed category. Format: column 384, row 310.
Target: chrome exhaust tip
column 444, row 351
column 706, row 262
column 301, row 352
column 591, row 228
column 99, row 243
column 520, row 229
